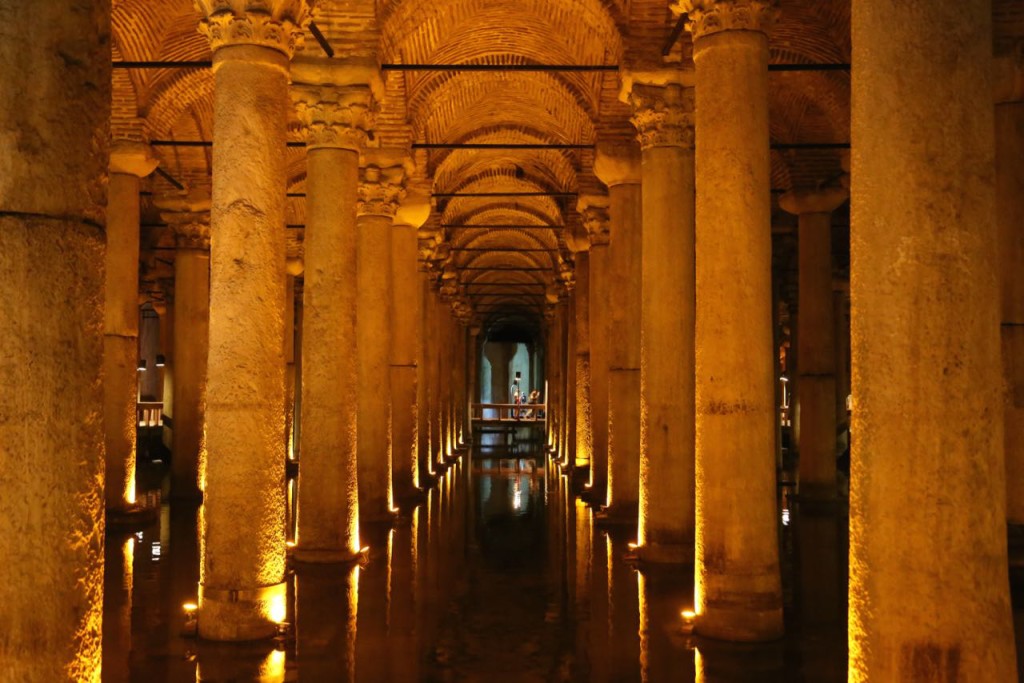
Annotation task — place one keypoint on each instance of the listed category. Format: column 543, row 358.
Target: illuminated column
column 594, row 213
column 407, row 316
column 580, row 244
column 567, row 459
column 190, row 219
column 738, row 592
column 473, row 369
column 928, row 474
column 499, row 355
column 242, row 591
column 52, row 197
column 663, row 117
column 1009, row 115
column 293, row 268
column 553, row 317
column 433, row 305
column 618, row 167
column 816, row 339
column 426, row 463
column 129, row 161
column 381, row 188
column 336, row 107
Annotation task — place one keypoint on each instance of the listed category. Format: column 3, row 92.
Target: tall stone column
column 407, row 317
column 242, row 591
column 293, row 268
column 381, row 188
column 841, row 317
column 433, row 343
column 738, row 592
column 568, row 458
column 928, row 479
column 426, row 462
column 1009, row 114
column 129, row 161
column 594, row 213
column 816, row 339
column 52, row 199
column 473, row 352
column 499, row 355
column 663, row 116
column 580, row 244
column 336, row 107
column 190, row 219
column 618, row 167
column 553, row 353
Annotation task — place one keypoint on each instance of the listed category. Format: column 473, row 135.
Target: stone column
column 293, row 268
column 552, row 354
column 580, row 244
column 407, row 316
column 1009, row 115
column 381, row 188
column 618, row 167
column 242, row 591
column 841, row 317
column 166, row 313
column 473, row 352
column 335, row 105
column 426, row 462
column 594, row 213
column 433, row 341
column 816, row 339
column 190, row 219
column 52, row 197
column 128, row 162
column 738, row 592
column 568, row 458
column 663, row 117
column 928, row 478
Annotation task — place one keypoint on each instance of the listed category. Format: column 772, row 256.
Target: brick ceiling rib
column 551, row 169
column 504, row 237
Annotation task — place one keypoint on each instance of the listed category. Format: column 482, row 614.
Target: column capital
column 382, row 177
column 707, row 17
column 593, row 210
column 663, row 108
column 576, row 238
column 189, row 217
column 132, row 157
column 338, row 117
column 414, row 209
column 1008, row 71
column 826, row 200
column 617, row 163
column 276, row 24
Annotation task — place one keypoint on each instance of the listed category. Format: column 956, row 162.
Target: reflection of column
column 403, row 602
column 738, row 591
column 118, row 580
column 407, row 317
column 128, row 162
column 381, row 188
column 663, row 116
column 190, row 219
column 816, row 341
column 326, row 612
column 1009, row 115
column 928, row 477
column 618, row 167
column 335, row 106
column 54, row 114
column 242, row 591
column 594, row 213
column 623, row 609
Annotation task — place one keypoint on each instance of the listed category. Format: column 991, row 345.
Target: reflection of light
column 517, row 495
column 190, row 607
column 688, row 614
column 128, row 564
column 278, row 608
column 289, row 544
column 785, row 516
column 155, row 551
column 273, row 666
column 631, row 546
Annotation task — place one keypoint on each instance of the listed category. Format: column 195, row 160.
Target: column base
column 741, row 620
column 381, row 518
column 619, row 514
column 594, row 495
column 412, row 500
column 241, row 614
column 318, row 556
column 660, row 553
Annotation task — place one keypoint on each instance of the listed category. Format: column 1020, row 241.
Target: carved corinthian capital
column 382, row 177
column 662, row 115
column 593, row 211
column 332, row 116
column 275, row 24
column 189, row 218
column 706, row 17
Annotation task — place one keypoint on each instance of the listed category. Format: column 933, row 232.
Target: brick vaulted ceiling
column 491, row 106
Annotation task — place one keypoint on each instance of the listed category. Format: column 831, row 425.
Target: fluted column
column 381, row 188
column 190, row 218
column 594, row 213
column 928, row 475
column 54, row 116
column 407, row 330
column 663, row 116
column 1009, row 114
column 336, row 106
column 618, row 167
column 129, row 161
column 738, row 591
column 242, row 590
column 816, row 339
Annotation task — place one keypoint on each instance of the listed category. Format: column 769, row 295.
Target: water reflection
column 501, row 575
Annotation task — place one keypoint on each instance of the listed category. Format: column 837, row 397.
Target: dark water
column 500, row 576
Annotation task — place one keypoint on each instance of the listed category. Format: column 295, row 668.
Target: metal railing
column 509, row 412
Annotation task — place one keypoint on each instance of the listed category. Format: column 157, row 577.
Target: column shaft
column 423, row 349
column 738, row 591
column 51, row 348
column 584, row 435
column 599, row 348
column 242, row 579
column 407, row 312
column 928, row 475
